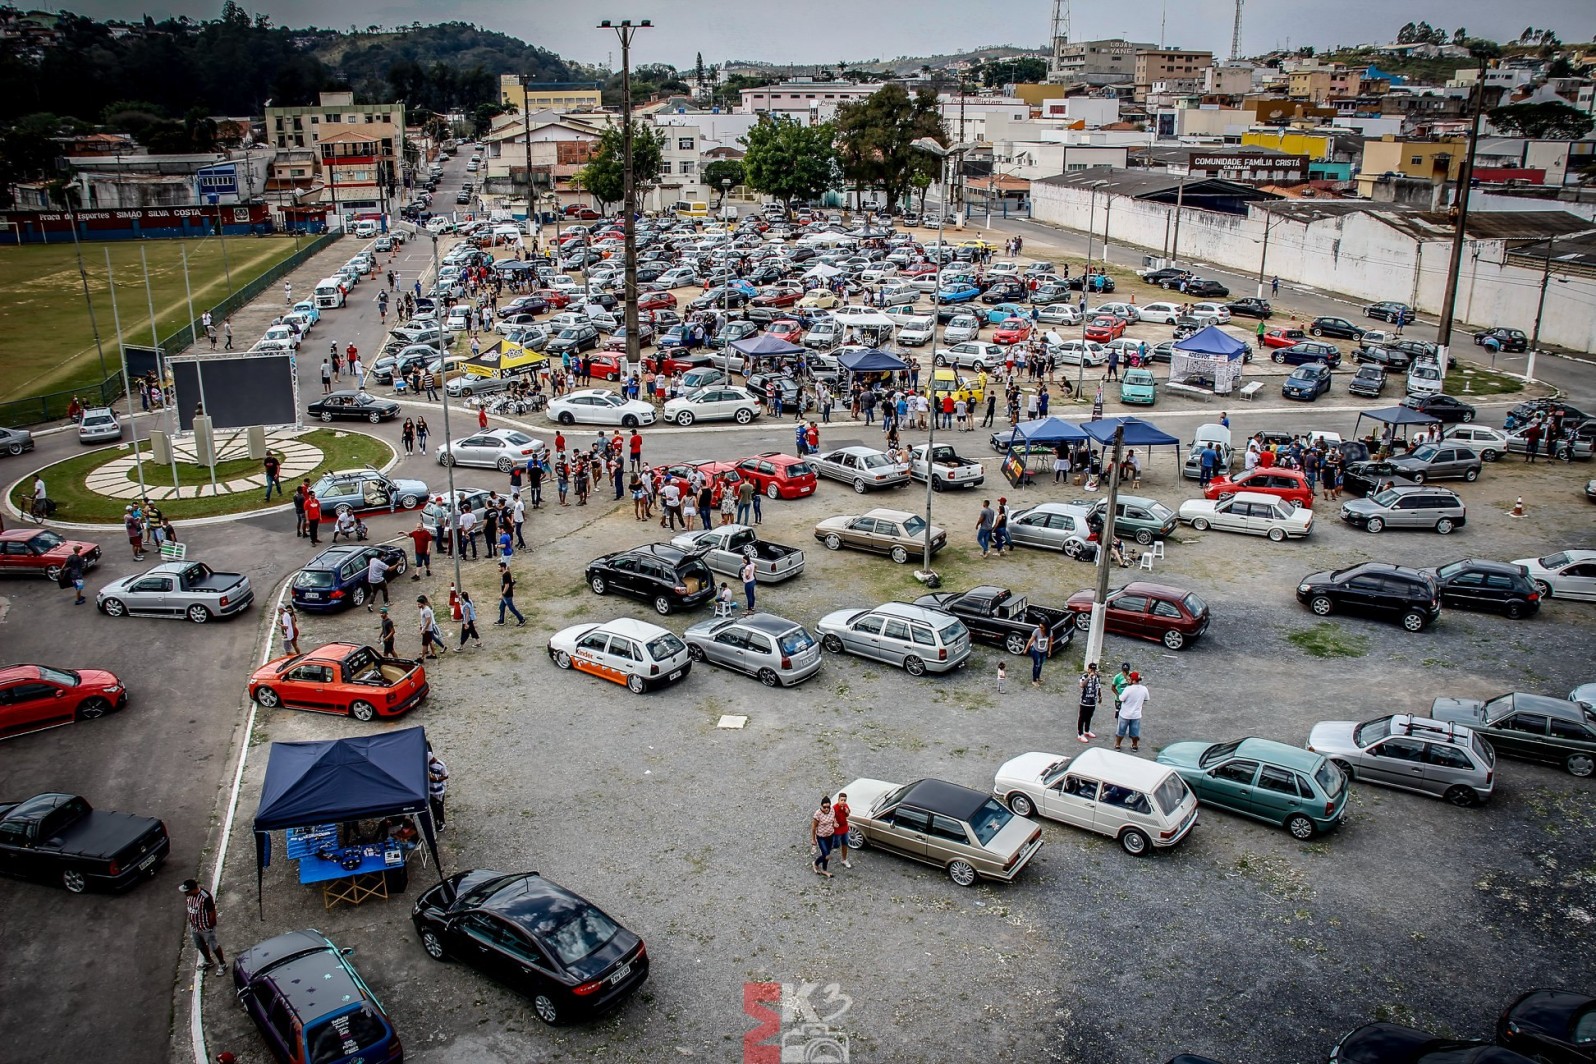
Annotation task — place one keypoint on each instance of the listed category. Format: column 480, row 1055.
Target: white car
column 459, row 319
column 1490, row 443
column 717, row 402
column 1059, row 314
column 301, row 320
column 1569, row 574
column 596, row 406
column 863, row 467
column 915, row 332
column 1212, row 312
column 1076, row 352
column 501, row 449
column 635, row 653
column 961, row 327
column 286, row 333
column 1160, row 313
column 1139, row 802
column 279, row 344
column 975, row 354
column 1251, row 512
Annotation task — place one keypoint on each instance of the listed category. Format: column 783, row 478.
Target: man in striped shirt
column 437, row 785
column 201, row 907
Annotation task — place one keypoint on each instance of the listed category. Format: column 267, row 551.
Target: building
column 1251, row 165
column 799, row 97
column 301, row 127
column 550, row 95
column 550, row 146
column 1168, row 65
column 1094, row 112
column 1228, row 79
column 359, row 164
column 1105, row 62
column 129, row 180
column 1437, row 161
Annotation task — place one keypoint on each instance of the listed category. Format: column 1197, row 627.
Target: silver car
column 916, row 638
column 774, row 650
column 99, row 424
column 863, row 467
column 1490, row 443
column 1407, row 506
column 476, row 497
column 961, row 328
column 1057, row 526
column 1411, row 754
column 501, row 449
column 1435, row 461
column 15, row 441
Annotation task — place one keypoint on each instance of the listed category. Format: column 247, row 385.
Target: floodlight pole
column 127, row 382
column 451, row 506
column 199, row 374
column 1094, row 635
column 626, row 29
column 160, row 377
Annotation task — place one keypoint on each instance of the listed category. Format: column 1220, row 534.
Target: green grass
column 46, row 340
column 1480, row 382
column 1329, row 640
column 340, row 450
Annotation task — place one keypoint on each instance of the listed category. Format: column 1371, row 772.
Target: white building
column 804, row 98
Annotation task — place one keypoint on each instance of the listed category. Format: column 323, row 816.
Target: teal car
column 1138, row 387
column 1278, row 784
column 1004, row 311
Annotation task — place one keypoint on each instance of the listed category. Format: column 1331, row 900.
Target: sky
column 886, row 29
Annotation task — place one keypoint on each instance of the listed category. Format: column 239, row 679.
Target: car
column 501, row 449
column 1102, row 282
column 1140, row 803
column 1509, row 339
column 569, row 957
column 36, row 697
column 896, row 533
column 1059, row 526
column 1279, row 784
column 61, row 838
column 820, row 299
column 1496, row 587
column 1210, row 313
column 1444, row 408
column 640, row 655
column 739, row 329
column 1140, row 518
column 1017, row 330
column 961, row 328
column 1251, row 512
column 1005, row 290
column 717, row 402
column 1410, row 753
column 1489, row 443
column 786, row 329
column 948, row 468
column 353, row 405
column 1079, row 352
column 189, row 589
column 1283, row 337
column 1129, row 313
column 1385, row 357
column 779, row 476
column 1166, row 277
column 666, row 575
column 1138, row 386
column 864, row 467
column 15, row 441
column 573, row 339
column 1569, row 574
column 1305, row 352
column 656, row 301
column 1390, row 1043
column 1380, row 590
column 366, row 491
column 310, row 1004
column 347, row 679
column 1142, row 610
column 957, row 292
column 1416, row 506
column 1553, row 1026
column 1437, row 461
column 1250, row 307
column 1533, row 727
column 596, row 406
column 961, row 830
column 727, row 548
column 42, row 552
column 776, row 651
column 1370, row 477
column 1368, row 382
column 1387, row 310
column 1330, row 326
column 972, row 354
column 1103, row 328
column 1059, row 314
column 335, row 579
column 1001, row 313
column 1307, row 382
column 98, row 424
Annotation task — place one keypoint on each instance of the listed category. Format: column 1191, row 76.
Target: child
column 1003, row 674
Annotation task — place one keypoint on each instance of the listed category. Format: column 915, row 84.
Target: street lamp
column 1086, row 280
column 626, row 29
column 725, row 288
column 448, row 440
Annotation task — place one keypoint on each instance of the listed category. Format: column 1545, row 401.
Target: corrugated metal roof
column 1142, row 184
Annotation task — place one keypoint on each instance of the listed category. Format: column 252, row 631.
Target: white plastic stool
column 1157, row 549
column 1147, row 560
column 725, row 609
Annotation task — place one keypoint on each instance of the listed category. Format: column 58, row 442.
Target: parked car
column 1418, row 506
column 98, row 424
column 1375, row 589
column 949, row 469
column 1288, row 786
column 1330, row 326
column 335, row 579
column 365, row 491
column 1305, row 352
column 569, row 957
column 1142, row 804
column 774, row 650
column 999, row 616
column 716, row 402
column 1368, row 382
column 353, row 405
column 501, row 449
column 895, row 533
column 1552, row 1026
column 916, row 639
column 309, row 1003
column 1390, row 1043
column 1569, row 574
column 1141, row 610
column 863, row 467
column 1250, row 307
column 637, row 654
column 42, row 552
column 1496, row 587
column 1443, row 408
column 36, row 697
column 1509, row 339
column 779, row 476
column 1411, row 754
column 725, row 548
column 347, row 679
column 1554, row 731
column 188, row 589
column 1438, row 461
column 1059, row 526
column 61, row 838
column 1283, row 337
column 1251, row 512
column 1138, row 386
column 1489, row 443
column 1142, row 519
column 598, row 406
column 1307, row 382
column 1204, row 288
column 1388, row 358
column 963, row 831
column 665, row 575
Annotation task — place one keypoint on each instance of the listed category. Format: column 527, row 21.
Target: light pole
column 448, row 467
column 1105, row 544
column 626, row 29
column 1540, row 310
column 1263, row 258
column 725, row 291
column 1086, row 280
column 554, row 209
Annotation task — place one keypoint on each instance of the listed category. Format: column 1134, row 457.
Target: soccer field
column 46, row 339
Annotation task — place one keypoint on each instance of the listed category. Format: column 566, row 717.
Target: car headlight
column 1302, row 587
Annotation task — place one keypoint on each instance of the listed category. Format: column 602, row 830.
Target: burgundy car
column 1169, row 615
column 41, row 552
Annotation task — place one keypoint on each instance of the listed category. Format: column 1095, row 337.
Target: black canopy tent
column 763, row 346
column 1138, row 433
column 1393, row 416
column 1050, row 430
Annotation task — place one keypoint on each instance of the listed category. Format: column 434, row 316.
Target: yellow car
column 820, row 299
column 945, row 381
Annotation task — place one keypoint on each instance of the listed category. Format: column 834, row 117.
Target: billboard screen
column 239, row 390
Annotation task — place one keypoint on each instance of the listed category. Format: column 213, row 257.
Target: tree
column 724, row 170
column 875, row 137
column 1460, row 35
column 788, row 159
column 605, row 174
column 1541, row 121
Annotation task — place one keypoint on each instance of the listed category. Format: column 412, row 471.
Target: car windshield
column 586, row 931
column 45, row 540
column 1171, row 793
column 1386, row 498
column 1331, row 780
column 314, row 578
column 988, row 820
column 665, row 646
column 1425, row 453
column 1553, row 561
column 1217, row 753
column 345, row 1036
column 1371, row 731
column 796, row 641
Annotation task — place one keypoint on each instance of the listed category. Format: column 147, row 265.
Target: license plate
column 148, row 862
column 621, row 973
column 314, row 596
column 677, row 675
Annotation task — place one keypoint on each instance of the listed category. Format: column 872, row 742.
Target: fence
column 38, row 409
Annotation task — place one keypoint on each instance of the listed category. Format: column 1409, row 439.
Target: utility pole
column 958, row 214
column 1105, row 550
column 526, row 133
column 1540, row 310
column 626, row 30
column 1180, row 199
column 1264, row 258
column 453, row 506
column 1465, row 176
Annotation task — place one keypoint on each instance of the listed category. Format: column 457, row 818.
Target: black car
column 1392, row 358
column 1388, row 311
column 1300, row 354
column 1107, row 283
column 1494, row 587
column 1374, row 589
column 1167, row 277
column 1390, row 1043
column 1523, row 412
column 1555, row 1026
column 719, row 299
column 1365, row 478
column 1336, row 327
column 1005, row 291
column 1443, row 408
column 1250, row 308
column 1510, row 339
column 1205, row 288
column 667, row 576
column 574, row 339
column 564, row 953
column 335, row 579
column 358, row 405
column 1367, row 382
column 786, row 387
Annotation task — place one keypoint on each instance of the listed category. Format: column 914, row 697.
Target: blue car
column 675, row 337
column 959, row 292
column 310, row 1004
column 1004, row 311
column 1305, row 352
column 335, row 579
column 1307, row 382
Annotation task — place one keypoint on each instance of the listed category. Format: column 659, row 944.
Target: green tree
column 724, row 170
column 1553, row 120
column 789, row 160
column 875, row 137
column 605, row 174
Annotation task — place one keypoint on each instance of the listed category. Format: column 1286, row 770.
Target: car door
column 276, row 1022
column 1577, row 581
column 895, row 641
column 949, row 840
column 151, row 595
column 1230, row 785
column 728, row 647
column 863, row 637
column 622, row 574
column 475, row 450
column 1446, row 766
column 905, row 830
column 757, row 653
column 477, row 938
column 29, row 704
column 592, row 655
column 1073, row 800
column 860, row 533
column 1467, row 591
column 1523, row 735
column 1127, row 615
column 1367, row 593
column 1396, row 761
column 1412, row 511
column 309, row 686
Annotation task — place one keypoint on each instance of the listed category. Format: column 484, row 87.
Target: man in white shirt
column 466, row 536
column 376, row 580
column 670, row 497
column 518, row 515
column 1131, row 702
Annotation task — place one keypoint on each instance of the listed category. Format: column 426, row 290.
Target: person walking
column 227, row 334
column 1274, row 286
column 273, row 466
column 427, row 623
column 312, row 517
column 289, row 623
column 1000, row 528
column 1131, row 702
column 983, row 526
column 387, row 632
column 840, row 811
column 407, row 435
column 822, row 832
column 200, row 909
column 1039, row 646
column 437, row 788
column 507, row 597
column 1091, row 693
column 518, row 518
column 468, row 623
column 72, row 574
column 376, row 580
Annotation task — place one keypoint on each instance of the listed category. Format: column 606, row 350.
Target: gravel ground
column 1242, row 943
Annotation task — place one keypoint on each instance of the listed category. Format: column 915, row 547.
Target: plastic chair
column 725, row 609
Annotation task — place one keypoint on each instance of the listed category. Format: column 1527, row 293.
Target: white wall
column 1093, row 110
column 1370, row 128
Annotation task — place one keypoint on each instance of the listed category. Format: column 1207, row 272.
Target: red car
column 343, row 678
column 919, row 269
column 786, row 329
column 1012, row 331
column 681, row 362
column 777, row 297
column 1283, row 337
column 779, row 476
column 41, row 552
column 556, row 298
column 608, row 367
column 587, row 214
column 35, row 697
column 1169, row 615
column 711, row 469
column 1289, row 484
column 1104, row 328
column 656, row 301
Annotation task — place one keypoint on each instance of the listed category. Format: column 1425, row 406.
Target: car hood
column 1458, row 710
column 1197, row 508
column 834, row 524
column 1584, row 694
column 1333, row 737
column 1028, row 768
column 1362, row 506
column 1183, row 755
column 863, row 794
column 1081, row 600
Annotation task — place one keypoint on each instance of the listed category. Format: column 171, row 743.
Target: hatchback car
column 1411, row 754
column 917, row 639
column 1387, row 310
column 1438, row 461
column 1335, row 327
column 1249, row 512
column 1554, row 731
column 572, row 959
column 1375, row 589
column 774, row 650
column 1496, row 587
column 1294, row 788
column 959, row 829
column 1140, row 518
column 1307, row 382
column 351, row 405
column 1142, row 610
column 366, row 490
column 717, row 402
column 864, row 467
column 1507, row 339
column 779, row 476
column 310, row 1004
column 35, row 697
column 1444, row 408
column 335, row 579
column 1140, row 803
column 99, row 424
column 1059, row 526
column 972, row 354
column 1419, row 506
column 1569, row 574
column 639, row 655
column 896, row 533
column 1307, row 351
column 669, row 577
column 501, row 449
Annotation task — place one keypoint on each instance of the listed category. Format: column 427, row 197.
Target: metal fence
column 39, row 409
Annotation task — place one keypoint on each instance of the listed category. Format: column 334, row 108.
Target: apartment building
column 1167, row 65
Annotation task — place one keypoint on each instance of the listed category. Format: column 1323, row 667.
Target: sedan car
column 640, row 655
column 958, row 292
column 41, row 552
column 1294, row 788
column 596, row 406
column 501, row 449
column 896, row 533
column 1251, row 307
column 352, row 405
column 1327, row 326
column 1569, row 574
column 1253, row 513
column 1555, row 731
column 964, row 831
column 99, row 424
column 569, row 957
column 15, row 441
column 1283, row 337
column 1411, row 754
column 35, row 697
column 1307, row 351
column 1443, row 408
column 1307, row 382
column 1142, row 610
column 1495, row 587
column 718, row 402
column 864, row 467
column 1390, row 1043
column 310, row 1004
column 774, row 650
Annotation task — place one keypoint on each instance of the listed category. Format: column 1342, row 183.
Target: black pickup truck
column 997, row 615
column 60, row 838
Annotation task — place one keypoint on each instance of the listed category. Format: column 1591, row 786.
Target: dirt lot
column 1242, row 943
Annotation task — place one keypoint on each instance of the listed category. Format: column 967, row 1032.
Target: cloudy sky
column 884, row 29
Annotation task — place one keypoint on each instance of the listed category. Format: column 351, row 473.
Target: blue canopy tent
column 1138, row 433
column 360, row 778
column 1394, row 416
column 1208, row 355
column 872, row 360
column 1040, row 436
column 763, row 346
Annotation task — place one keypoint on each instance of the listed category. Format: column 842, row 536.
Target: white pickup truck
column 949, row 469
column 726, row 547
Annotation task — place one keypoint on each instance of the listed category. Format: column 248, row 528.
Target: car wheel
column 1544, row 588
column 1581, row 765
column 1300, row 826
column 374, row 418
column 1321, row 605
column 768, row 677
column 52, row 573
column 1489, row 456
column 547, row 1011
column 685, row 418
column 1144, row 537
column 1413, row 621
column 833, row 541
column 362, row 711
column 598, row 585
column 1200, row 524
column 1315, row 332
column 859, row 486
column 630, row 421
column 93, row 709
column 565, row 418
column 1174, row 640
column 962, row 873
column 504, row 465
column 1444, row 526
column 1514, row 611
column 1345, row 767
column 1376, row 524
column 1278, row 358
column 1015, row 643
column 1135, row 842
column 663, row 605
column 1083, row 621
column 695, row 652
column 1468, row 415
column 445, row 458
column 74, row 881
column 1461, row 796
column 900, row 555
column 14, row 450
column 1073, row 548
column 358, row 597
column 857, row 840
column 266, row 698
column 913, row 666
column 831, row 644
column 114, row 608
column 432, row 944
column 1471, row 475
column 325, row 416
column 198, row 614
column 1418, row 478
column 636, row 685
column 1277, row 535
column 743, row 416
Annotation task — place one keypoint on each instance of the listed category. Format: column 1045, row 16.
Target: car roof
column 949, row 799
column 1386, row 568
column 530, row 901
column 636, row 629
column 881, row 511
column 1074, row 509
column 910, row 612
column 21, row 534
column 1284, row 754
column 333, row 556
column 1255, row 496
column 1505, row 568
column 1127, row 769
column 769, row 623
column 318, row 983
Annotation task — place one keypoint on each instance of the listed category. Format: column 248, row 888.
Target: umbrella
column 872, row 360
column 822, row 271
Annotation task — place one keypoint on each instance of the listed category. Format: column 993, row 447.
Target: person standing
column 386, row 633
column 1038, row 646
column 507, row 597
column 299, row 512
column 273, row 466
column 73, row 573
column 1209, row 463
column 518, row 518
column 427, row 620
column 1132, row 701
column 822, row 832
column 437, row 788
column 745, row 501
column 407, row 436
column 991, row 408
column 983, row 526
column 134, row 527
column 1532, row 441
column 466, row 532
column 289, row 623
column 1091, row 693
column 376, row 580
column 1274, row 286
column 312, row 517
column 468, row 623
column 326, row 377
column 200, row 907
column 227, row 334
column 840, row 810
column 423, row 544
column 749, row 576
column 635, row 445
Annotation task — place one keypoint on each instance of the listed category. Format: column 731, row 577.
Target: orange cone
column 1518, row 507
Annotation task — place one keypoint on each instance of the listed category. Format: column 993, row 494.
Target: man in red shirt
column 636, row 444
column 423, row 541
column 482, row 417
column 350, row 354
column 312, row 516
column 839, row 810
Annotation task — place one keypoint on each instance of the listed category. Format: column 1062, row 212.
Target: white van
column 1141, row 803
column 330, row 292
column 365, row 230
